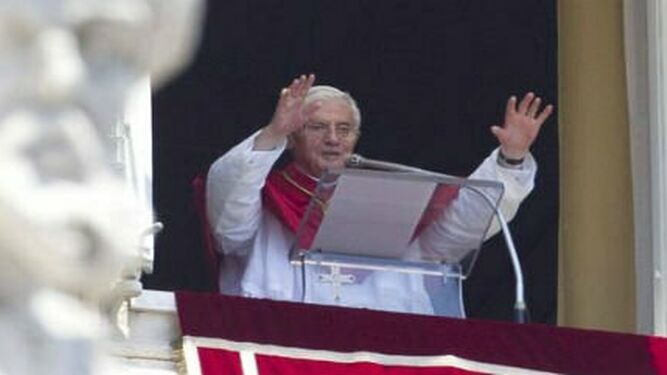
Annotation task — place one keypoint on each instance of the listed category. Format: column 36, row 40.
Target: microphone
column 359, row 162
column 354, row 161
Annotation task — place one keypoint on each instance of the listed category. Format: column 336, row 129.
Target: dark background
column 430, row 77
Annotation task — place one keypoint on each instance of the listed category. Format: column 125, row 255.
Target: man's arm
column 233, row 192
column 464, row 222
column 235, row 180
column 460, row 227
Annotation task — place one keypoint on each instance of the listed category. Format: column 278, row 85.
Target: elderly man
column 254, row 211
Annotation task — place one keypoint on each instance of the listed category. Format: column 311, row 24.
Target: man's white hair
column 329, row 92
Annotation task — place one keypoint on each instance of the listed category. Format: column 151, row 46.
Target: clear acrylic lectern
column 424, row 230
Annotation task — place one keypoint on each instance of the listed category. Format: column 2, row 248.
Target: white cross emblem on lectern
column 337, row 280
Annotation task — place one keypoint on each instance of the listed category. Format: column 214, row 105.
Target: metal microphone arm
column 520, row 308
column 358, row 161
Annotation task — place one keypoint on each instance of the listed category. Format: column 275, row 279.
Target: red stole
column 441, row 199
column 287, row 194
column 288, row 191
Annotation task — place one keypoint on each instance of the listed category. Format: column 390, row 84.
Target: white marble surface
column 70, row 229
column 153, row 335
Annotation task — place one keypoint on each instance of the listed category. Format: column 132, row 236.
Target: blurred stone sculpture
column 69, row 226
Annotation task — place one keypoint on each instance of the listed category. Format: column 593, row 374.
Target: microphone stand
column 520, row 307
column 521, row 314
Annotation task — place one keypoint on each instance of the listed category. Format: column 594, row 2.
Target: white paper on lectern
column 373, row 216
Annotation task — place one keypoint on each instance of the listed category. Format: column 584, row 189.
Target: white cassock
column 256, row 244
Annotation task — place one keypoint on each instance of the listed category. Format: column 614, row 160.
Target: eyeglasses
column 342, row 131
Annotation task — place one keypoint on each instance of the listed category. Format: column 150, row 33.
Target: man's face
column 327, row 138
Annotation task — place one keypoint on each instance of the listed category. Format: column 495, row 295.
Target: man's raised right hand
column 290, row 114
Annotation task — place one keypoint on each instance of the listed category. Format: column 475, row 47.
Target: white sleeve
column 458, row 229
column 233, row 193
